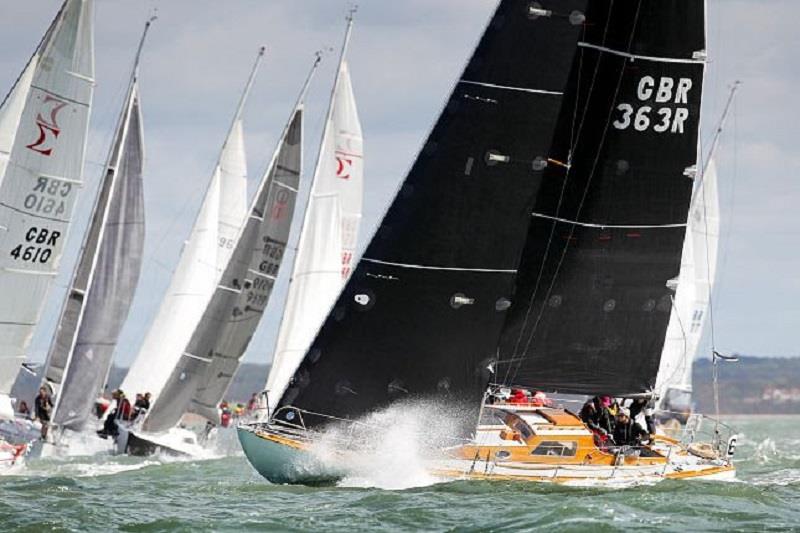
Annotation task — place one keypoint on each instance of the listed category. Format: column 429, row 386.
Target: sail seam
column 429, row 267
column 68, row 99
column 612, row 226
column 511, row 88
column 643, row 58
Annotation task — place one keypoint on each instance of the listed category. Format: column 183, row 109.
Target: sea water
column 105, row 493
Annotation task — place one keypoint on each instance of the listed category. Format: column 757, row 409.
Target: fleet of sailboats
column 556, row 232
column 106, row 274
column 199, row 381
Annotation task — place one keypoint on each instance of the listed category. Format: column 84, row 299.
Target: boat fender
column 703, row 450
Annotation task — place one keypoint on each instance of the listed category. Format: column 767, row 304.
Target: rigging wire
column 589, row 178
column 573, row 143
column 715, row 355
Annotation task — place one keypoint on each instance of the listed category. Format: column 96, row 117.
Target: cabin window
column 523, row 429
column 502, row 455
column 556, row 448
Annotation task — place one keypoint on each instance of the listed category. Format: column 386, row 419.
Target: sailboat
column 531, row 243
column 43, row 127
column 329, row 234
column 200, row 266
column 105, row 277
column 201, row 378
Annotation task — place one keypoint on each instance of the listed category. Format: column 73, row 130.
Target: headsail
column 329, row 234
column 692, row 297
column 200, row 265
column 423, row 309
column 212, row 356
column 41, row 181
column 106, row 273
column 593, row 296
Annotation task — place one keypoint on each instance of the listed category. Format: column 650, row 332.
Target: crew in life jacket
column 225, row 415
column 597, row 417
column 627, row 432
column 519, row 396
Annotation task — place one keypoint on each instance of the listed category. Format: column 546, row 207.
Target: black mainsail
column 605, row 238
column 425, row 306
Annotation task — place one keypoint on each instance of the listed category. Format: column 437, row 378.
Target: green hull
column 280, row 463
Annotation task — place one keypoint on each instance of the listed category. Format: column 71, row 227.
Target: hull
column 533, row 444
column 177, row 442
column 12, row 457
column 283, row 459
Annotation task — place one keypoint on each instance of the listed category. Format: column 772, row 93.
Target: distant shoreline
column 760, row 415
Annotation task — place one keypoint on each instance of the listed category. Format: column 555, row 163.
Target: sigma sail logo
column 280, row 206
column 47, row 122
column 344, row 164
column 667, row 117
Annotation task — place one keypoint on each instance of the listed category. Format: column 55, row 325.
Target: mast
column 198, row 383
column 76, row 389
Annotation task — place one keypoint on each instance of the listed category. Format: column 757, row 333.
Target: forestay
column 329, row 234
column 106, row 274
column 422, row 312
column 42, row 179
column 693, row 295
column 593, row 295
column 199, row 267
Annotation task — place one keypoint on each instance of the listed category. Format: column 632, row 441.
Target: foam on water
column 390, row 448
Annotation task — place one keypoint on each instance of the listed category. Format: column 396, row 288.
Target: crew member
column 642, row 405
column 43, row 406
column 627, row 432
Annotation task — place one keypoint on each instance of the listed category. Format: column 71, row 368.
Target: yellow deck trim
column 297, row 445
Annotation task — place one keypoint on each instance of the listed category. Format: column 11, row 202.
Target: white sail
column 199, row 269
column 329, row 234
column 694, row 291
column 41, row 181
column 11, row 112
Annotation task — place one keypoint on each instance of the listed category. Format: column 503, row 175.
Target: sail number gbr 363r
column 48, row 198
column 659, row 107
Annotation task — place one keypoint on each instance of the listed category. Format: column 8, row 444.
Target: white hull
column 176, row 442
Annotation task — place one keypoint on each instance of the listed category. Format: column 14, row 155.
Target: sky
column 404, row 59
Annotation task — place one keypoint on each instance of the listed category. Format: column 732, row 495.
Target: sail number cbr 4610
column 39, row 247
column 49, row 197
column 668, row 117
